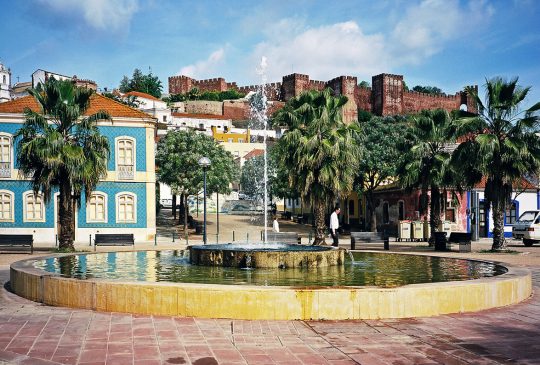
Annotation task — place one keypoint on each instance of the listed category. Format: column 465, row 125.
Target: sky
column 443, row 43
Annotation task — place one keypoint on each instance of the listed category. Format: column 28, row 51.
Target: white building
column 151, row 105
column 5, row 83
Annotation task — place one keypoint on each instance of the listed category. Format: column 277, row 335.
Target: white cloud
column 424, row 29
column 206, row 68
column 110, row 15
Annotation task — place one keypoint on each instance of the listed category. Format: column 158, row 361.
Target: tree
column 432, row 90
column 59, row 148
column 380, row 159
column 252, row 178
column 318, row 151
column 148, row 84
column 364, row 84
column 130, row 100
column 177, row 161
column 426, row 162
column 501, row 145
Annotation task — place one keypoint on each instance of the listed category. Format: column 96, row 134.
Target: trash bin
column 445, row 226
column 404, row 230
column 440, row 241
column 427, row 231
column 417, row 230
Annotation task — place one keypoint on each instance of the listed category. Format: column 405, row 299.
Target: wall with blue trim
column 18, row 188
column 111, row 189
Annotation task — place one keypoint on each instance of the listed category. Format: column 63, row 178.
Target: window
column 510, row 216
column 96, row 210
column 33, row 207
column 401, row 210
column 385, row 213
column 4, row 79
column 125, row 158
column 6, row 206
column 5, row 155
column 126, row 208
column 240, row 140
column 230, row 140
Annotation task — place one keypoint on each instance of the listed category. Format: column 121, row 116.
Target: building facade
column 123, row 202
column 5, row 83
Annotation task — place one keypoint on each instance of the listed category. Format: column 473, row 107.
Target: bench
column 284, row 237
column 365, row 237
column 13, row 241
column 461, row 238
column 298, row 219
column 102, row 239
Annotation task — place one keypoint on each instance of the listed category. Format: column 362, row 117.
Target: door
column 482, row 220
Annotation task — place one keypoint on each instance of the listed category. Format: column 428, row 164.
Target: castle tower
column 5, row 83
column 387, row 93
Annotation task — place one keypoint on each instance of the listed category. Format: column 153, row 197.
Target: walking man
column 334, row 225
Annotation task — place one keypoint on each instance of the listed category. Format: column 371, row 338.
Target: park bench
column 102, row 239
column 365, row 237
column 284, row 237
column 461, row 238
column 11, row 242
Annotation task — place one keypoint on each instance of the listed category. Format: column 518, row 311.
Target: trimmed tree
column 59, row 148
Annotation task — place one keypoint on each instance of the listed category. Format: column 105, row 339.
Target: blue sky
column 444, row 43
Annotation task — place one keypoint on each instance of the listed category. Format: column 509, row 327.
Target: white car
column 527, row 227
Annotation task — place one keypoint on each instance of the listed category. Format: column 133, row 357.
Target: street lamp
column 204, row 162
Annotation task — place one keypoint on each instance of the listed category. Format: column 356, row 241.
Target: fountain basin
column 270, row 255
column 125, row 294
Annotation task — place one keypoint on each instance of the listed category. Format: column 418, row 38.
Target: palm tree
column 500, row 144
column 318, row 151
column 426, row 164
column 59, row 148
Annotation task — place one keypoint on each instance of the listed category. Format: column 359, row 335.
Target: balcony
column 5, row 169
column 126, row 172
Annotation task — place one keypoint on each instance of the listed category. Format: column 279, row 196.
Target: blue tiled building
column 124, row 202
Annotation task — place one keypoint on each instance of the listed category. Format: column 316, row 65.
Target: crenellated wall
column 386, row 96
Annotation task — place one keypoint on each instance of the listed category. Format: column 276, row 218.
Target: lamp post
column 204, row 162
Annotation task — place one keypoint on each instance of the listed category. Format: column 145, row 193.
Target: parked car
column 527, row 227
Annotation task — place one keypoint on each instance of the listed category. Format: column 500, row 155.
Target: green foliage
column 364, row 116
column 364, row 84
column 195, row 94
column 59, row 148
column 177, row 158
column 318, row 150
column 381, row 157
column 501, row 144
column 130, row 100
column 405, row 87
column 148, row 84
column 426, row 161
column 432, row 90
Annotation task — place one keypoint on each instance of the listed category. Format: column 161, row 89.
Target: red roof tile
column 97, row 102
column 254, row 153
column 199, row 116
column 142, row 95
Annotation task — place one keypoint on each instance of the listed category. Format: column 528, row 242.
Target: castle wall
column 414, row 102
column 203, row 107
column 236, row 109
column 362, row 98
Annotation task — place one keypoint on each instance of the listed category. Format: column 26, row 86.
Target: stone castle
column 387, row 95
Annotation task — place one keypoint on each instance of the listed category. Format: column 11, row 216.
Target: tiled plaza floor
column 31, row 333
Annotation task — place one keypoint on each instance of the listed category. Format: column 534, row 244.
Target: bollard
column 233, row 236
column 386, row 242
column 187, row 239
column 262, row 235
column 353, row 243
column 217, row 238
column 155, row 240
column 247, row 237
column 56, row 240
column 173, row 236
column 90, row 240
column 310, row 236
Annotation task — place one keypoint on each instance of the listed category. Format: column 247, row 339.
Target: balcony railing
column 126, row 172
column 5, row 169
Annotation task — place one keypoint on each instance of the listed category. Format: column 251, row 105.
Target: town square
column 269, row 183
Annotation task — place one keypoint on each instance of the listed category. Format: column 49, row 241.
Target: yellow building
column 230, row 137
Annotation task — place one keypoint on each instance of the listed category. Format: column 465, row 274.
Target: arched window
column 401, row 210
column 5, row 155
column 4, row 79
column 96, row 209
column 125, row 157
column 126, row 208
column 6, row 206
column 34, row 208
column 385, row 213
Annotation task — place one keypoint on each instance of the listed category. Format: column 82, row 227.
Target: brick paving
column 31, row 333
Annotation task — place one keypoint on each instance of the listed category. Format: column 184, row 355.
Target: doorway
column 483, row 222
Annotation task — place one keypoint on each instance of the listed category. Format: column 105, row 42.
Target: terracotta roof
column 199, row 116
column 254, row 153
column 142, row 95
column 523, row 184
column 97, row 102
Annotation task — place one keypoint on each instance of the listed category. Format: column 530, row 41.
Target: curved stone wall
column 271, row 303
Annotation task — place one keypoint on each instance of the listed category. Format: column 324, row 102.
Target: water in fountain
column 260, row 121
